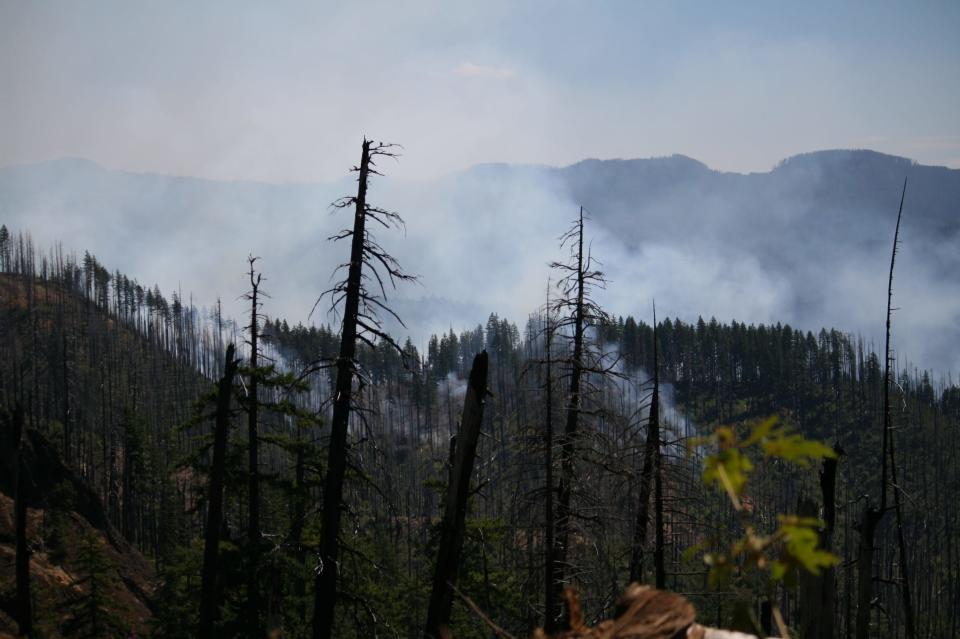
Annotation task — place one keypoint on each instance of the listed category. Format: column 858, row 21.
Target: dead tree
column 908, row 616
column 369, row 262
column 22, row 560
column 872, row 516
column 208, row 585
column 551, row 574
column 453, row 525
column 253, row 475
column 651, row 476
column 828, row 590
column 660, row 570
column 577, row 312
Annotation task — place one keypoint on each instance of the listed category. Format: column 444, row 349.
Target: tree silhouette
column 651, row 476
column 208, row 588
column 872, row 516
column 363, row 296
column 576, row 311
column 253, row 477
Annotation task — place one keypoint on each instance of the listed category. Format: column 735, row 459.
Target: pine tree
column 93, row 614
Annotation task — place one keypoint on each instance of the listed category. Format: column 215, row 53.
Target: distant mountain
column 807, row 242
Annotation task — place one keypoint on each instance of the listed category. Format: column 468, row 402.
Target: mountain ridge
column 806, row 242
column 80, row 162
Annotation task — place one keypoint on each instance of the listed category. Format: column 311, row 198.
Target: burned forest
column 257, row 478
column 511, row 320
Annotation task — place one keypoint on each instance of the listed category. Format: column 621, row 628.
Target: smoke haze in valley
column 807, row 243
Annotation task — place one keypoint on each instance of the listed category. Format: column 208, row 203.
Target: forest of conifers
column 171, row 473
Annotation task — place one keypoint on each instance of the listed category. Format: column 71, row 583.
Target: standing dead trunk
column 872, row 516
column 659, row 564
column 325, row 597
column 810, row 602
column 908, row 618
column 828, row 592
column 296, row 530
column 867, row 529
column 369, row 263
column 208, row 585
column 650, row 480
column 568, row 441
column 552, row 606
column 24, row 600
column 253, row 478
column 455, row 507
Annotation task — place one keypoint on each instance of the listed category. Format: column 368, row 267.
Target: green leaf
column 778, row 570
column 736, row 467
column 801, row 547
column 795, row 448
column 761, row 430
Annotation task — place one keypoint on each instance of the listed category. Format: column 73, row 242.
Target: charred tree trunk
column 828, row 593
column 908, row 618
column 24, row 600
column 810, row 591
column 325, row 597
column 208, row 586
column 872, row 516
column 568, row 441
column 817, row 600
column 253, row 480
column 867, row 529
column 650, row 480
column 455, row 506
column 658, row 544
column 552, row 605
column 296, row 530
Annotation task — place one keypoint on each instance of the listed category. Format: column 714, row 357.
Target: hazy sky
column 283, row 91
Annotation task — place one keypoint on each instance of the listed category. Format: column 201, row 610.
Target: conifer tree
column 94, row 613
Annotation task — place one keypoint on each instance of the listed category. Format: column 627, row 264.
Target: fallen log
column 642, row 613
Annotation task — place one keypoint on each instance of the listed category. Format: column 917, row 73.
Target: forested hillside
column 118, row 388
column 642, row 321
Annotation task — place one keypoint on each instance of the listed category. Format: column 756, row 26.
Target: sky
column 284, row 91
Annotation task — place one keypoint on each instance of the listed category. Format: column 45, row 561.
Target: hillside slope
column 69, row 536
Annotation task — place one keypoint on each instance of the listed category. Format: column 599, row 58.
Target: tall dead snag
column 828, row 590
column 651, row 476
column 577, row 311
column 253, row 475
column 453, row 525
column 24, row 600
column 818, row 592
column 872, row 516
column 908, row 617
column 368, row 262
column 550, row 573
column 211, row 547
